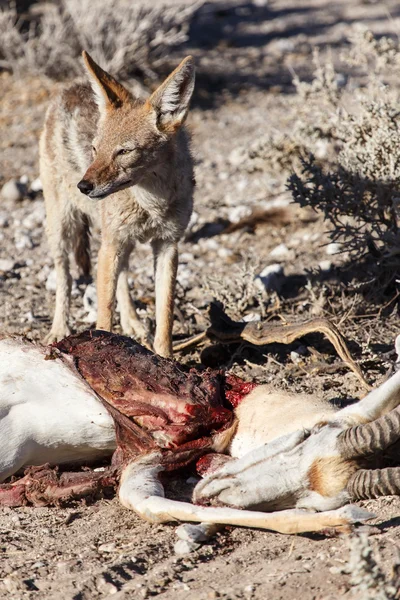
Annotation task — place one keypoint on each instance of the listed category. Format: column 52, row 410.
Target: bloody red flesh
column 157, row 404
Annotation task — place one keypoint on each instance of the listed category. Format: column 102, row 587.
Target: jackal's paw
column 56, row 335
column 136, row 330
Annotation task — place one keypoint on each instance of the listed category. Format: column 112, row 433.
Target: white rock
column 6, row 264
column 51, row 281
column 36, row 185
column 13, row 191
column 242, row 184
column 43, row 273
column 90, row 303
column 325, row 265
column 295, row 356
column 238, row 212
column 224, row 252
column 23, row 241
column 251, row 317
column 185, row 547
column 237, row 157
column 272, row 277
column 110, row 547
column 223, row 175
column 35, row 218
column 186, row 257
column 280, row 252
column 4, row 222
column 24, row 179
column 333, row 248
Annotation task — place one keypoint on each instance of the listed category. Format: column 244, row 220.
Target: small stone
column 280, row 252
column 90, row 303
column 107, row 548
column 333, row 248
column 13, row 191
column 23, row 241
column 238, row 212
column 51, row 281
column 6, row 264
column 295, row 356
column 4, row 222
column 24, row 179
column 36, row 185
column 237, row 157
column 185, row 547
column 325, row 265
column 272, row 277
column 251, row 317
column 36, row 217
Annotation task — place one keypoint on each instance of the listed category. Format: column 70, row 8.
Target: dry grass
column 126, row 39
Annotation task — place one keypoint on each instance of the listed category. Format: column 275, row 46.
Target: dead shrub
column 128, row 39
column 343, row 148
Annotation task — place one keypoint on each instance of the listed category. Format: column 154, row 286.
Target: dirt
column 245, row 55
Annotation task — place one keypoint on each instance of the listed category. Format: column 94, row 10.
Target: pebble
column 325, row 265
column 237, row 157
column 185, row 547
column 4, row 222
column 35, row 218
column 238, row 212
column 333, row 248
column 110, row 547
column 13, row 190
column 295, row 357
column 36, row 185
column 6, row 264
column 51, row 281
column 90, row 303
column 23, row 241
column 280, row 252
column 272, row 277
column 251, row 317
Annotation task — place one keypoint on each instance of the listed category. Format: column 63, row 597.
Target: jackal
column 137, row 184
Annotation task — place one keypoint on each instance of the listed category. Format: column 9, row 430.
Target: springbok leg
column 141, row 491
column 378, row 402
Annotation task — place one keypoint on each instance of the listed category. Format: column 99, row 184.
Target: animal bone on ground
column 294, row 455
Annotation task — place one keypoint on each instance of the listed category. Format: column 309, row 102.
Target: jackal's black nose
column 85, row 186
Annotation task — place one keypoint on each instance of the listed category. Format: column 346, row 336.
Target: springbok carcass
column 290, row 463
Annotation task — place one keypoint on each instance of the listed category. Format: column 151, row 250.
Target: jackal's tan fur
column 135, row 167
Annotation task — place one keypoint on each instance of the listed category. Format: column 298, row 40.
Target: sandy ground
column 244, row 54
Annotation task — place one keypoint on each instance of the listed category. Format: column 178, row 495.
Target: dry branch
column 225, row 330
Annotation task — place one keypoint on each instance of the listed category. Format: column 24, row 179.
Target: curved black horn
column 363, row 440
column 366, row 484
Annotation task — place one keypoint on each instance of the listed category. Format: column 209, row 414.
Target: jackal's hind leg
column 60, row 327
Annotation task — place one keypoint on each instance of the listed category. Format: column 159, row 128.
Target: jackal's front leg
column 111, row 257
column 165, row 268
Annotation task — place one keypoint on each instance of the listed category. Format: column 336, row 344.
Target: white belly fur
column 266, row 414
column 47, row 413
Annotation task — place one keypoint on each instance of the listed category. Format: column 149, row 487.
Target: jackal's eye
column 94, row 150
column 123, row 151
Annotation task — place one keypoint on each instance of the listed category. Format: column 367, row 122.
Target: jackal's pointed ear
column 109, row 93
column 171, row 100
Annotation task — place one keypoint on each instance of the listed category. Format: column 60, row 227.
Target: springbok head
column 320, row 469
